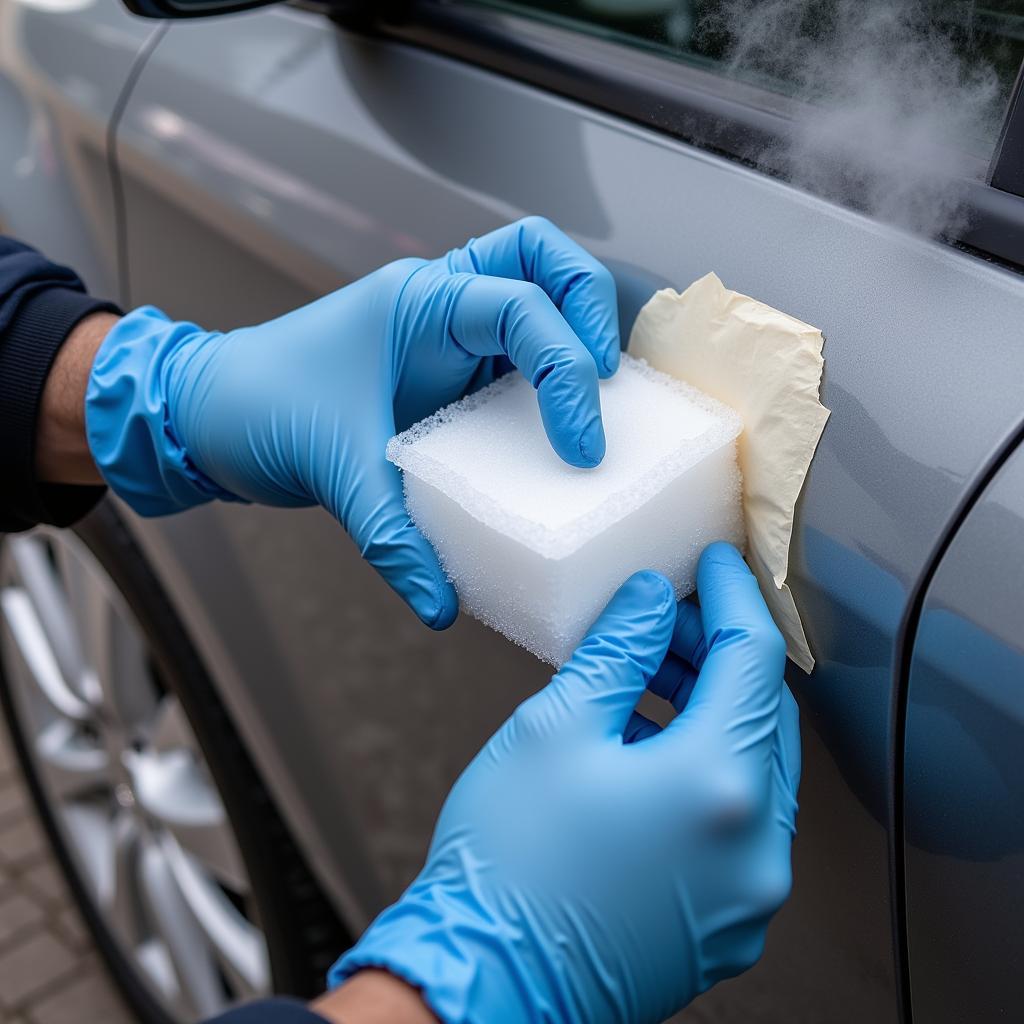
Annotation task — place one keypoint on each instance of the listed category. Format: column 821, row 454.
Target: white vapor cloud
column 894, row 102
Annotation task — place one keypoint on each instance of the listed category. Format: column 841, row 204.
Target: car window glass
column 940, row 70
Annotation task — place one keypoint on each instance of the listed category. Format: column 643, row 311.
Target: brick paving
column 49, row 971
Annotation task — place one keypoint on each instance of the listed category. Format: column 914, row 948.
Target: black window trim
column 1007, row 170
column 688, row 103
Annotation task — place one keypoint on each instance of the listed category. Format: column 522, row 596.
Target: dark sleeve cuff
column 270, row 1011
column 30, row 344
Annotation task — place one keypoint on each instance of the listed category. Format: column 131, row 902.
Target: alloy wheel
column 126, row 781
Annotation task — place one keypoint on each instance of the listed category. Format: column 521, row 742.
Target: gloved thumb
column 374, row 514
column 620, row 654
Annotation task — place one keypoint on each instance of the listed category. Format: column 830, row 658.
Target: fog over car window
column 893, row 102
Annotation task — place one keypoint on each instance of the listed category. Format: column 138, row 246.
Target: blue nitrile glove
column 589, row 866
column 299, row 410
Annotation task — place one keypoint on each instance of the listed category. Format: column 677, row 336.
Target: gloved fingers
column 620, row 654
column 639, row 728
column 739, row 688
column 767, row 872
column 674, row 681
column 535, row 250
column 488, row 371
column 771, row 875
column 761, row 847
column 688, row 641
column 490, row 316
column 789, row 740
column 373, row 512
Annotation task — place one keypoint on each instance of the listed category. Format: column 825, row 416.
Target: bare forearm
column 374, row 997
column 62, row 452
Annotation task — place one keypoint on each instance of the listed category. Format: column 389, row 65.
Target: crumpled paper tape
column 767, row 366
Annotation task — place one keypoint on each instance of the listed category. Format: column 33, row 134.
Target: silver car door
column 63, row 67
column 270, row 156
column 963, row 794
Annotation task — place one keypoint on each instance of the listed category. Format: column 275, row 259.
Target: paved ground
column 49, row 971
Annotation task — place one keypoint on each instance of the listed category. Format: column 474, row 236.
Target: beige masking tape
column 767, row 366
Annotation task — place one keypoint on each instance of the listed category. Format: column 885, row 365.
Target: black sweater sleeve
column 40, row 302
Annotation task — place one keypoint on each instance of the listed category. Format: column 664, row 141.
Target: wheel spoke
column 116, row 675
column 124, row 905
column 75, row 766
column 89, row 600
column 127, row 686
column 170, row 729
column 90, row 827
column 155, row 961
column 174, row 790
column 37, row 575
column 240, row 947
column 30, row 640
column 186, row 945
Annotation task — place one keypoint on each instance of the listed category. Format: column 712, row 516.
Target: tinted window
column 890, row 106
column 948, row 67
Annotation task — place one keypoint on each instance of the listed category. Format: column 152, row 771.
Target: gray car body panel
column 62, row 70
column 270, row 156
column 964, row 789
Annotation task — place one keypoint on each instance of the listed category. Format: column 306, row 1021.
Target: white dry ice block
column 535, row 547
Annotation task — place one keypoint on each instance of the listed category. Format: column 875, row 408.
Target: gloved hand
column 589, row 866
column 299, row 410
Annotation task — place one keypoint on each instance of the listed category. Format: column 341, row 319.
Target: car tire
column 303, row 934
